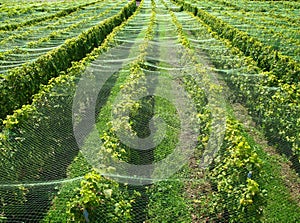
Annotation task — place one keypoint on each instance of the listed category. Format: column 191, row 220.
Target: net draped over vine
column 145, row 128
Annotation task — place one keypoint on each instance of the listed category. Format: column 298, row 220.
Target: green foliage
column 234, row 173
column 56, row 132
column 28, row 78
column 272, row 96
column 103, row 199
column 284, row 67
column 58, row 33
column 64, row 12
column 134, row 84
column 238, row 197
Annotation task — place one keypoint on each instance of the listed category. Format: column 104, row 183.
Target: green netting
column 18, row 11
column 276, row 26
column 150, row 127
column 29, row 43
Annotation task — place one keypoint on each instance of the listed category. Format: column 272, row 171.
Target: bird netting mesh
column 142, row 129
